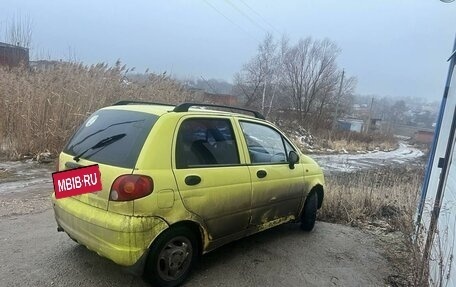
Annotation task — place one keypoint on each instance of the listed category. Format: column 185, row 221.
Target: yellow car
column 180, row 181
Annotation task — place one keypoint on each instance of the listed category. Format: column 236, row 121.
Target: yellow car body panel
column 279, row 196
column 223, row 197
column 121, row 238
column 229, row 203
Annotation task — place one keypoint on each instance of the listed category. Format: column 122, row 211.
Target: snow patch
column 353, row 162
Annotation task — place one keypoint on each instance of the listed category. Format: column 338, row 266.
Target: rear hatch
column 111, row 138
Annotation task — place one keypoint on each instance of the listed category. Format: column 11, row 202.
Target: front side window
column 264, row 143
column 206, row 142
column 288, row 146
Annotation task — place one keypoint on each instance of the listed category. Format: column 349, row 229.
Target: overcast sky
column 394, row 48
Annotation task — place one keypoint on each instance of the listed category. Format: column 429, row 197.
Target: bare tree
column 267, row 54
column 303, row 77
column 255, row 79
column 331, row 102
column 247, row 83
column 328, row 93
column 310, row 70
column 19, row 31
column 347, row 96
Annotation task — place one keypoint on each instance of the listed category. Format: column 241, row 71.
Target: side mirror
column 293, row 158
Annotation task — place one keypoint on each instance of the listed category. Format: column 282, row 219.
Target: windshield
column 103, row 126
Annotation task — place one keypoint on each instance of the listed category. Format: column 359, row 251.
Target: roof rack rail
column 128, row 102
column 185, row 106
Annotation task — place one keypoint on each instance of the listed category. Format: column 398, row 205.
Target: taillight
column 130, row 187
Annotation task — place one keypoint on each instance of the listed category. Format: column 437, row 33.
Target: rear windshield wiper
column 102, row 130
column 104, row 142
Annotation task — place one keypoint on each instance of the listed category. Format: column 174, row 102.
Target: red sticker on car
column 77, row 181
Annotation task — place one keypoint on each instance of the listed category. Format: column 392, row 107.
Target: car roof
column 160, row 109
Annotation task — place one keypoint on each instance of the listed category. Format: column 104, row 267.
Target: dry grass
column 40, row 110
column 383, row 201
column 354, row 146
column 354, row 141
column 4, row 174
column 327, row 140
column 388, row 194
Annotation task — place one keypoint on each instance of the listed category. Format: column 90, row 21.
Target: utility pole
column 338, row 99
column 370, row 116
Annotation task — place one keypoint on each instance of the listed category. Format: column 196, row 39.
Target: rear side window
column 206, row 142
column 113, row 137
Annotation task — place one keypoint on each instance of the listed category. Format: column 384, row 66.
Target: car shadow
column 96, row 269
column 257, row 242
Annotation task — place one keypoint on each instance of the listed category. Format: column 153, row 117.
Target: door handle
column 261, row 173
column 192, row 180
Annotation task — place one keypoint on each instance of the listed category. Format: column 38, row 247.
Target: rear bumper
column 121, row 238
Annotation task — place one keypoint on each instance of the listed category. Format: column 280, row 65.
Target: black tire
column 309, row 212
column 171, row 257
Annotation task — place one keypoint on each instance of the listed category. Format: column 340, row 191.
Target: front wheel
column 171, row 257
column 309, row 213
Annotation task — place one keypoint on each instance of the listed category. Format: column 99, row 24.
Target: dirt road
column 32, row 253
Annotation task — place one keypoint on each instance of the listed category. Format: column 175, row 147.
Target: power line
column 246, row 16
column 231, row 21
column 259, row 16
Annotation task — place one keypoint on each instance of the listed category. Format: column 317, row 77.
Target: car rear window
column 113, row 137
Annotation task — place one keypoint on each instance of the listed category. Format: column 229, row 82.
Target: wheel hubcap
column 174, row 258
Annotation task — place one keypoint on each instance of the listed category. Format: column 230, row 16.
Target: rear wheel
column 171, row 257
column 309, row 213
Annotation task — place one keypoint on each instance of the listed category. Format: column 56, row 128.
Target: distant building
column 13, row 56
column 354, row 125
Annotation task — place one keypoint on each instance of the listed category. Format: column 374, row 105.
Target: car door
column 277, row 189
column 211, row 174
